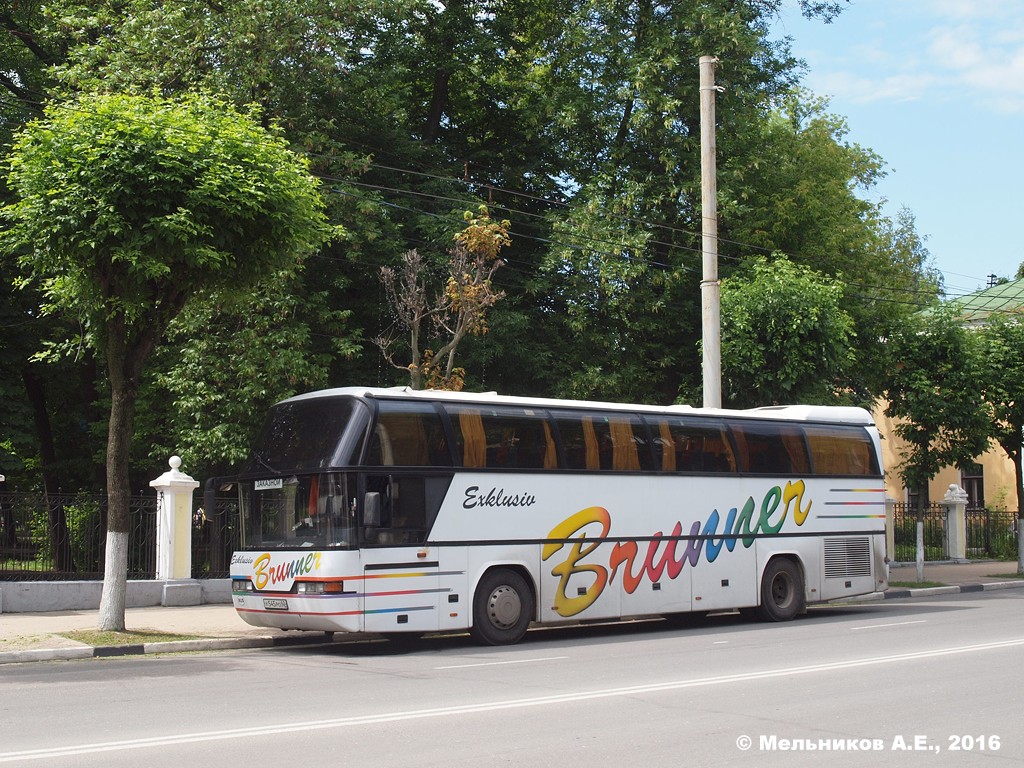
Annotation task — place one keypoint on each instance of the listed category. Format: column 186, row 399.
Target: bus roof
column 823, row 413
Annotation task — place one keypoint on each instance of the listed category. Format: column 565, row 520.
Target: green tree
column 29, row 381
column 934, row 393
column 226, row 359
column 1002, row 383
column 578, row 122
column 126, row 206
column 801, row 189
column 785, row 336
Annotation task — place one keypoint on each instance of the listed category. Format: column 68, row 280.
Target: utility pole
column 710, row 289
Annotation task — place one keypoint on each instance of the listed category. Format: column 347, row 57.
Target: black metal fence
column 58, row 537
column 990, row 533
column 63, row 537
column 904, row 529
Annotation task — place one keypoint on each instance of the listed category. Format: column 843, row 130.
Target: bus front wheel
column 782, row 591
column 502, row 608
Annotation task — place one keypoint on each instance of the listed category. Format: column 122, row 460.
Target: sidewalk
column 958, row 577
column 37, row 636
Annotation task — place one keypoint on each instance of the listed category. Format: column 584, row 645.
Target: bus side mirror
column 371, row 509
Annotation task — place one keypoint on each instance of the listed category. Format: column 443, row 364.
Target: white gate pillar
column 890, row 529
column 955, row 505
column 174, row 535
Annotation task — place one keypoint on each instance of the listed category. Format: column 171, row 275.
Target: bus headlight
column 319, row 587
column 241, row 585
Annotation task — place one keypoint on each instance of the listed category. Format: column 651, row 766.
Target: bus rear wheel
column 502, row 608
column 782, row 591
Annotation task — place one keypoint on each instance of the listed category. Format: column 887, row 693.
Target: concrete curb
column 171, row 646
column 898, row 593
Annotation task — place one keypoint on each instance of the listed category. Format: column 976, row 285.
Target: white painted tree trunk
column 1020, row 545
column 920, row 550
column 115, row 583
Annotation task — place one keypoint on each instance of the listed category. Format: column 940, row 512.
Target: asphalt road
column 932, row 681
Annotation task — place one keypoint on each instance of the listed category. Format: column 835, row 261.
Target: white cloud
column 986, row 59
column 938, row 51
column 859, row 89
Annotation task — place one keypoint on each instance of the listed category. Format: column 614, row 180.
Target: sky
column 936, row 88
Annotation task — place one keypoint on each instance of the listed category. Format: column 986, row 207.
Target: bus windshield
column 309, row 435
column 299, row 512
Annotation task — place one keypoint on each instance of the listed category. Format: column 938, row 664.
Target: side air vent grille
column 847, row 558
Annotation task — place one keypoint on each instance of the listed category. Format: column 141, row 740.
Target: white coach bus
column 394, row 510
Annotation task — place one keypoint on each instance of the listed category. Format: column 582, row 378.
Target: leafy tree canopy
column 126, row 206
column 785, row 336
column 932, row 390
column 126, row 203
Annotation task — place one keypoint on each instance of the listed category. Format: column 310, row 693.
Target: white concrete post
column 174, row 535
column 710, row 288
column 890, row 528
column 955, row 505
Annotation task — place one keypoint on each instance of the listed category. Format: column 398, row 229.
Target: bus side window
column 407, row 435
column 403, row 509
column 503, row 437
column 380, row 452
column 574, row 441
column 594, row 440
column 697, row 445
column 771, row 449
column 664, row 445
column 471, row 439
column 841, row 450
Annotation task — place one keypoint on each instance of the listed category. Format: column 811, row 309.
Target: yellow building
column 990, row 482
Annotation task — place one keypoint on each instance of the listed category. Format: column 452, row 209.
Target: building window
column 972, row 480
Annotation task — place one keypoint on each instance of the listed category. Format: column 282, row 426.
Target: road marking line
column 893, row 624
column 495, row 706
column 500, row 663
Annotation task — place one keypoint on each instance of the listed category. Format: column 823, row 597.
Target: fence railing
column 904, row 530
column 63, row 537
column 990, row 533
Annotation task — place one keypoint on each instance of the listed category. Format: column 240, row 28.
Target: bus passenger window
column 696, row 445
column 403, row 510
column 771, row 449
column 841, row 450
column 407, row 435
column 595, row 440
column 503, row 438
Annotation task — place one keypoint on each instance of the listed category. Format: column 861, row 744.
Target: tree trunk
column 115, row 571
column 124, row 365
column 923, row 502
column 447, row 42
column 1018, row 471
column 115, row 583
column 60, row 540
column 438, row 104
column 9, row 537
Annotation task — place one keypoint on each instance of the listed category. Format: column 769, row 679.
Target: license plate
column 272, row 604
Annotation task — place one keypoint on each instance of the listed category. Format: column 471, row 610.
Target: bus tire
column 503, row 608
column 782, row 591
